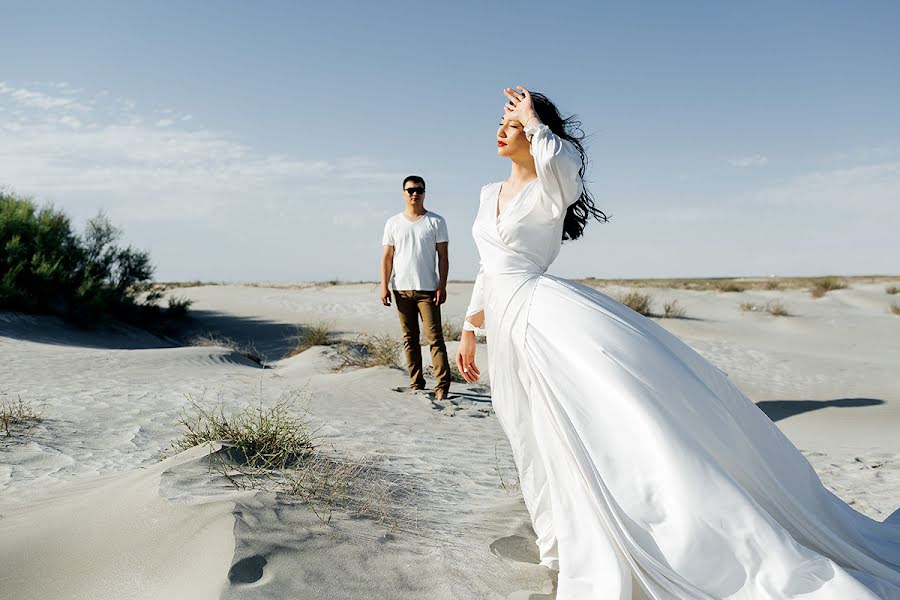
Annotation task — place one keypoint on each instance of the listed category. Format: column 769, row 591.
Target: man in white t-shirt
column 414, row 240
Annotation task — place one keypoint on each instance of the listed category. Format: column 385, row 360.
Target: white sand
column 117, row 523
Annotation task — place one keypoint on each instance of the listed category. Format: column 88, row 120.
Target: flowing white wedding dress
column 647, row 473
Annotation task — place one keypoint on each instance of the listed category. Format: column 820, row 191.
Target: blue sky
column 267, row 141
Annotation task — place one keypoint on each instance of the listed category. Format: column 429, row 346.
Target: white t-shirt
column 415, row 250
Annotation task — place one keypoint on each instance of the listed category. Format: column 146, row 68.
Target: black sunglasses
column 414, row 190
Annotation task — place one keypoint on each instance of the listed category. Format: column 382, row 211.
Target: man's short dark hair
column 414, row 179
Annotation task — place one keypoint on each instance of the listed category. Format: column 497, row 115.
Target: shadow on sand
column 269, row 340
column 782, row 409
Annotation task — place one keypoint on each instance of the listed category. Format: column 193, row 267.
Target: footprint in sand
column 517, row 548
column 247, row 570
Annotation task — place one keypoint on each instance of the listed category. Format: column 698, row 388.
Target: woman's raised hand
column 519, row 107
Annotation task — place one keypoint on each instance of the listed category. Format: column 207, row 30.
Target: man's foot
column 440, row 394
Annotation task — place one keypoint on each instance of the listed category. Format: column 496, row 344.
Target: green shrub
column 892, row 290
column 46, row 267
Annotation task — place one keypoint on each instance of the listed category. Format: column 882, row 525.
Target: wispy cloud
column 874, row 186
column 59, row 148
column 757, row 160
column 157, row 172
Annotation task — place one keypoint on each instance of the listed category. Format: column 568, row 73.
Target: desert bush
column 673, row 310
column 16, row 415
column 369, row 351
column 772, row 284
column 638, row 302
column 46, row 267
column 892, row 290
column 731, row 286
column 777, row 309
column 823, row 285
column 895, row 308
column 773, row 307
column 319, row 334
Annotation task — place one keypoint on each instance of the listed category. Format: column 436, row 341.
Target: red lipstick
column 500, row 144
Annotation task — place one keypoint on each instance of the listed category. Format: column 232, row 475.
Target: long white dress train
column 647, row 473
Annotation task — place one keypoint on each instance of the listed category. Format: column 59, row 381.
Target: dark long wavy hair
column 569, row 129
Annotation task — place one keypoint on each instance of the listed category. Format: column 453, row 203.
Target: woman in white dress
column 646, row 473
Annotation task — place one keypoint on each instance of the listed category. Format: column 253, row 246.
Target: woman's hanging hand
column 465, row 357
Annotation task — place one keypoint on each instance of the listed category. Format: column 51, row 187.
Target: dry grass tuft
column 369, row 351
column 319, row 334
column 16, row 415
column 246, row 350
column 452, row 331
column 273, row 448
column 777, row 309
column 638, row 302
column 772, row 284
column 892, row 290
column 895, row 308
column 260, row 437
column 673, row 310
column 823, row 285
column 773, row 307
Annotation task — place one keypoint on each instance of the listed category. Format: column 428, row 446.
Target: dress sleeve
column 557, row 163
column 476, row 304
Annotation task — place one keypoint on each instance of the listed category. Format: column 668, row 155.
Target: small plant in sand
column 895, row 308
column 773, row 307
column 16, row 415
column 731, row 286
column 248, row 351
column 260, row 437
column 638, row 302
column 369, row 351
column 777, row 309
column 772, row 284
column 823, row 285
column 319, row 334
column 452, row 331
column 673, row 310
column 271, row 447
column 892, row 290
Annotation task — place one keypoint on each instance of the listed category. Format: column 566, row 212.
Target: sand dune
column 88, row 509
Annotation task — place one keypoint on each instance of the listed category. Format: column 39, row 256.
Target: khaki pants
column 411, row 304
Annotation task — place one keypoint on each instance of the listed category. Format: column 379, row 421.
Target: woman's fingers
column 514, row 96
column 466, row 366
